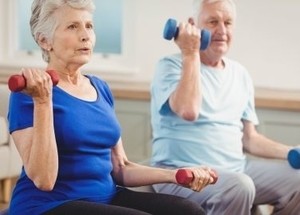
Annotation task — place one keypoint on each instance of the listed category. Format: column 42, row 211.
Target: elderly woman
column 68, row 136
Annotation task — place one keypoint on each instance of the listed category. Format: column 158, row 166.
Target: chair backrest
column 4, row 136
column 4, row 95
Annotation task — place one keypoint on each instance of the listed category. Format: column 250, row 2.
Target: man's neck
column 215, row 62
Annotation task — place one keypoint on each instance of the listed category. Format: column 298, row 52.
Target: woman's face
column 74, row 38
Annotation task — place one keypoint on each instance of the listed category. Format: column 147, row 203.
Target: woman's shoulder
column 101, row 86
column 96, row 80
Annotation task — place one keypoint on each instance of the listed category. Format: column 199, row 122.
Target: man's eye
column 228, row 23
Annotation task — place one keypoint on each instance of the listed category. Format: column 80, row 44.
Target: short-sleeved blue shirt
column 85, row 132
column 215, row 138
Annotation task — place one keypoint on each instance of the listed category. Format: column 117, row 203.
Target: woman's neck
column 68, row 75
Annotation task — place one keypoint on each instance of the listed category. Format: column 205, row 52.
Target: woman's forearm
column 132, row 174
column 42, row 161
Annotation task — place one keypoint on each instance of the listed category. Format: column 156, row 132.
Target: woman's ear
column 44, row 42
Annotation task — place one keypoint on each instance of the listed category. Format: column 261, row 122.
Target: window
column 114, row 51
column 109, row 33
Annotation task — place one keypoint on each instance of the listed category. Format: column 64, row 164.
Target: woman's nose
column 84, row 36
column 84, row 39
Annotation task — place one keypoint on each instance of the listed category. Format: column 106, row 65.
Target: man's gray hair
column 198, row 5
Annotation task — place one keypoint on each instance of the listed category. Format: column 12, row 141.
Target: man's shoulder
column 172, row 57
column 234, row 64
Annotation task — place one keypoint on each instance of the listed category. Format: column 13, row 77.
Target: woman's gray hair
column 42, row 21
column 198, row 6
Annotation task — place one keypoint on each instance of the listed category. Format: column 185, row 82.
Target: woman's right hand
column 38, row 84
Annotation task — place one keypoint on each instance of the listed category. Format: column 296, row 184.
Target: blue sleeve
column 250, row 113
column 104, row 89
column 20, row 111
column 108, row 94
column 165, row 81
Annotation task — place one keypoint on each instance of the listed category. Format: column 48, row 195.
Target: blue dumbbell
column 294, row 158
column 171, row 31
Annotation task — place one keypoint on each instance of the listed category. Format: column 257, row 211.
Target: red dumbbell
column 185, row 176
column 18, row 82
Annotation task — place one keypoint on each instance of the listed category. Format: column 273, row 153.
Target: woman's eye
column 90, row 26
column 72, row 26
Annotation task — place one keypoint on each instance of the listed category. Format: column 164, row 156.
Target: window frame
column 124, row 63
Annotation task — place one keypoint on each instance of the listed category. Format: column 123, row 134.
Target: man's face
column 218, row 18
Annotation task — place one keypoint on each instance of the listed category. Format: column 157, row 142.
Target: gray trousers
column 269, row 181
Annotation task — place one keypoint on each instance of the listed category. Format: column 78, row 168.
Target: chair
column 10, row 165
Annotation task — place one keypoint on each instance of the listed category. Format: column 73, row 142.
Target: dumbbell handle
column 294, row 158
column 171, row 31
column 17, row 83
column 185, row 176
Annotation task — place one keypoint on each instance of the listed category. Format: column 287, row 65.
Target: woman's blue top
column 85, row 132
